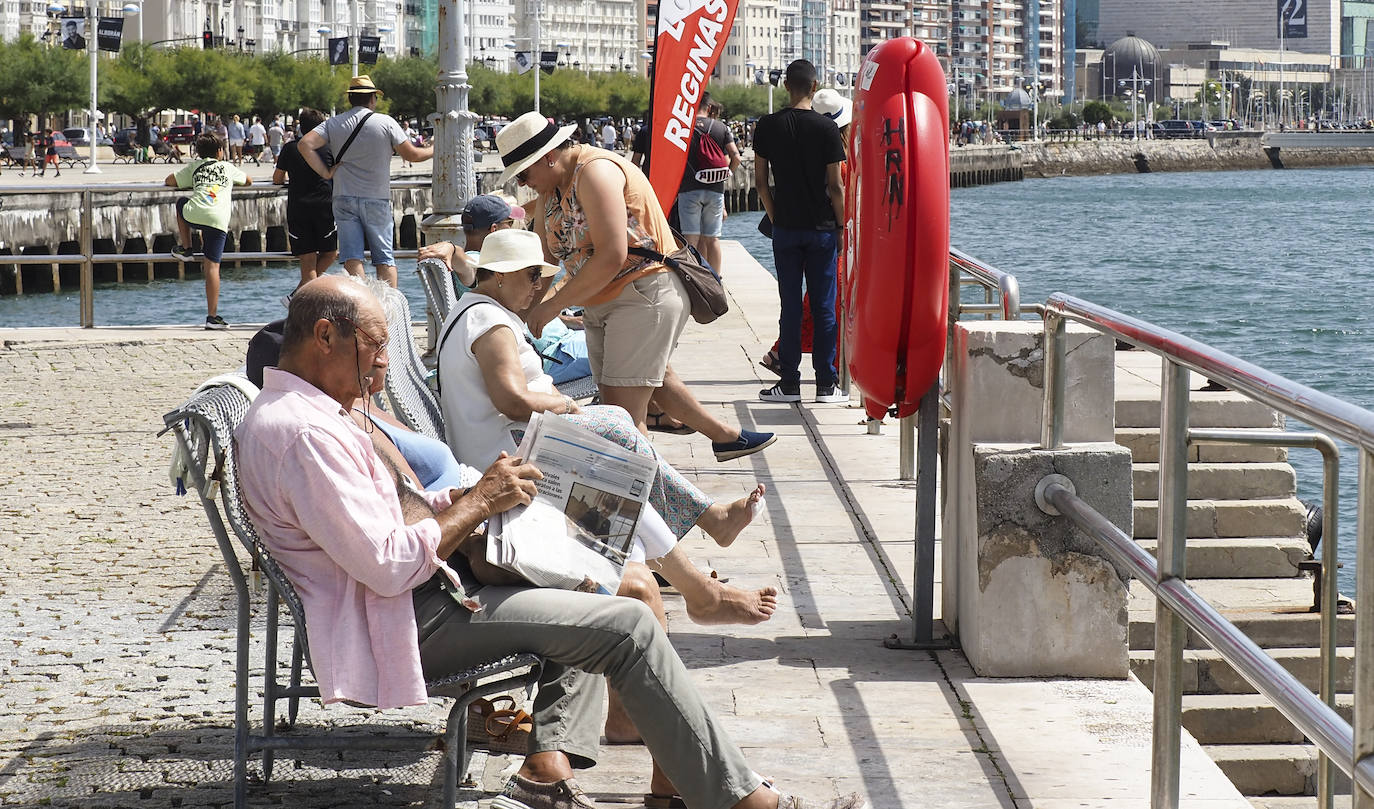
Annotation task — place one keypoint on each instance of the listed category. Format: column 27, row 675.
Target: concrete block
column 1223, row 480
column 1004, row 376
column 996, row 383
column 1040, row 598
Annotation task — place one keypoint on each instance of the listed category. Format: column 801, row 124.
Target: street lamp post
column 1136, row 82
column 353, row 33
column 453, row 182
column 92, row 52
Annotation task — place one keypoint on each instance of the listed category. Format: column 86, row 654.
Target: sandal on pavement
column 652, row 801
column 770, row 363
column 663, row 423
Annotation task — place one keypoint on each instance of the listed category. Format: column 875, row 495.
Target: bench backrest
column 205, row 426
column 438, row 285
column 407, row 386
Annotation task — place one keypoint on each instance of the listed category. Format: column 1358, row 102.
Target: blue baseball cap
column 485, row 210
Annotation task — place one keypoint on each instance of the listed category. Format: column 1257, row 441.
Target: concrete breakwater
column 1220, row 152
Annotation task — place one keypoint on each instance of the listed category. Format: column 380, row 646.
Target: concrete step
column 1245, row 719
column 1205, row 672
column 1210, row 481
column 1342, row 801
column 1264, row 769
column 1268, row 629
column 1279, row 516
column 1138, row 408
column 1143, row 442
column 1240, row 557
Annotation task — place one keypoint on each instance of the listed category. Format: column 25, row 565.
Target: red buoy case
column 897, row 232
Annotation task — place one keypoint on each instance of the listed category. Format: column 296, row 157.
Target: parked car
column 1174, row 129
column 181, row 134
column 78, row 135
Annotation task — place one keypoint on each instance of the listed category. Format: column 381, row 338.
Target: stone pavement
column 117, row 639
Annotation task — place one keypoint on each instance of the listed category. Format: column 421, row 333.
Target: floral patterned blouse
column 569, row 237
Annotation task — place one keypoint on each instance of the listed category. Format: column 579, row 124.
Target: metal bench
column 204, row 427
column 124, row 152
column 19, row 156
column 68, row 156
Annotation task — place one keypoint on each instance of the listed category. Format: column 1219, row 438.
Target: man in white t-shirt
column 257, row 139
column 608, row 135
column 362, row 175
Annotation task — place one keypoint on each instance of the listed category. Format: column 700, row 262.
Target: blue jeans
column 362, row 221
column 806, row 254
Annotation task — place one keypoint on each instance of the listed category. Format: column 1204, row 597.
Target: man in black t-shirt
column 309, row 204
column 806, row 205
column 701, row 202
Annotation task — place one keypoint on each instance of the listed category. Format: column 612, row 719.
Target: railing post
column 1170, row 631
column 1052, row 420
column 87, row 265
column 1363, row 725
column 1330, row 595
column 906, row 448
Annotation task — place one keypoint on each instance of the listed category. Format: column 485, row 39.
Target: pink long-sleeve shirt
column 326, row 506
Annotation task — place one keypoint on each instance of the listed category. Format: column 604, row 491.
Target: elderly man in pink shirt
column 366, row 551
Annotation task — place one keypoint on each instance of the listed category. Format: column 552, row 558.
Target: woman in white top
column 491, row 380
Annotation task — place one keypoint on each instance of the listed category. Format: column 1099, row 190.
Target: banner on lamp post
column 73, row 33
column 1293, row 19
column 548, row 60
column 690, row 38
column 338, row 50
column 523, row 62
column 108, row 33
column 368, row 47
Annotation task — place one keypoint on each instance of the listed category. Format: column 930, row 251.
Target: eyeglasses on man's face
column 377, row 346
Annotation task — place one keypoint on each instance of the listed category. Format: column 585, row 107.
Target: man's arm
column 733, row 151
column 834, row 188
column 413, row 153
column 310, row 143
column 761, row 184
column 507, row 483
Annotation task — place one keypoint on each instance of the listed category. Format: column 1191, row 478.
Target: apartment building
column 1243, row 23
column 997, row 46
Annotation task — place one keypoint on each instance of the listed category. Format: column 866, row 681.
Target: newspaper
column 581, row 524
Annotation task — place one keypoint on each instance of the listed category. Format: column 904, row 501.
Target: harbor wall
column 1220, row 152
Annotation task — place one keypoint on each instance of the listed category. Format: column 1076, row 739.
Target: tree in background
column 285, row 84
column 408, row 86
column 41, row 81
column 743, row 100
column 1097, row 112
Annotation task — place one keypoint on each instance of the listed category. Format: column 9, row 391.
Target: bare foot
column 725, row 522
column 723, row 604
column 620, row 729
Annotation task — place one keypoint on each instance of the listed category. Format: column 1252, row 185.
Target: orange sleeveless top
column 569, row 237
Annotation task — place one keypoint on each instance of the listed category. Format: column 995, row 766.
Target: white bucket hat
column 833, row 106
column 512, row 251
column 525, row 140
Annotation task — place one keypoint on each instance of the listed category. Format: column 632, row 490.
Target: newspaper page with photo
column 581, row 524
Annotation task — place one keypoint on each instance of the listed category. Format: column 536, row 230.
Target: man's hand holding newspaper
column 581, row 523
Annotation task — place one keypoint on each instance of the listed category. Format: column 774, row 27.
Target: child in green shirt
column 207, row 209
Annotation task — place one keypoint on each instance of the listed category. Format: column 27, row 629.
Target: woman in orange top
column 593, row 206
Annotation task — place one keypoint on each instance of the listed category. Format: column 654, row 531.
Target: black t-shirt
column 798, row 145
column 305, row 187
column 641, row 146
column 712, row 129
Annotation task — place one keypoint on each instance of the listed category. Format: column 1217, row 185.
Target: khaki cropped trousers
column 584, row 636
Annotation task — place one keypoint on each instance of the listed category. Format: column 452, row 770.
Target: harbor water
column 1265, row 265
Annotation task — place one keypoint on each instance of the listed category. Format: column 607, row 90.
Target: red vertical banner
column 691, row 37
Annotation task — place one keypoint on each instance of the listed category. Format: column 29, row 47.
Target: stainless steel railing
column 1178, row 607
column 88, row 258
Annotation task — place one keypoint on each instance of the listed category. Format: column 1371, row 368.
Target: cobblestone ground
column 117, row 631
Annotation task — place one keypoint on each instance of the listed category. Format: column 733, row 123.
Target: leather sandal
column 479, row 711
column 654, row 801
column 655, row 422
column 508, row 731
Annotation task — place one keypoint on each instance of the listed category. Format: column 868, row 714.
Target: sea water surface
column 1270, row 266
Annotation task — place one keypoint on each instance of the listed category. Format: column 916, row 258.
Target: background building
column 1243, row 23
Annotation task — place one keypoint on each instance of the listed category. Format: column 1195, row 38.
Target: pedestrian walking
column 362, row 141
column 276, row 136
column 236, row 138
column 701, row 196
column 257, row 140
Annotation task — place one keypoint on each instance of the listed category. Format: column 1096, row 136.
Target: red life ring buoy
column 897, row 286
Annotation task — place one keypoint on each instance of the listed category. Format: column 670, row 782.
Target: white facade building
column 1243, row 23
column 588, row 35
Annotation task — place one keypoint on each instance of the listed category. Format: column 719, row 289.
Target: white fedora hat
column 525, row 140
column 513, row 250
column 833, row 106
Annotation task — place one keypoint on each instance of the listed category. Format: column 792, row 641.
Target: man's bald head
column 329, row 297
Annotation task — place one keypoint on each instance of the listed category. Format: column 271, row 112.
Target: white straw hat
column 525, row 140
column 833, row 106
column 513, row 250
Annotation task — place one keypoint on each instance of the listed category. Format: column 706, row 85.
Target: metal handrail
column 1353, row 751
column 88, row 258
column 990, row 278
column 1317, row 720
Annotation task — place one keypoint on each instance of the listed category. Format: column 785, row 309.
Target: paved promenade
column 116, row 641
